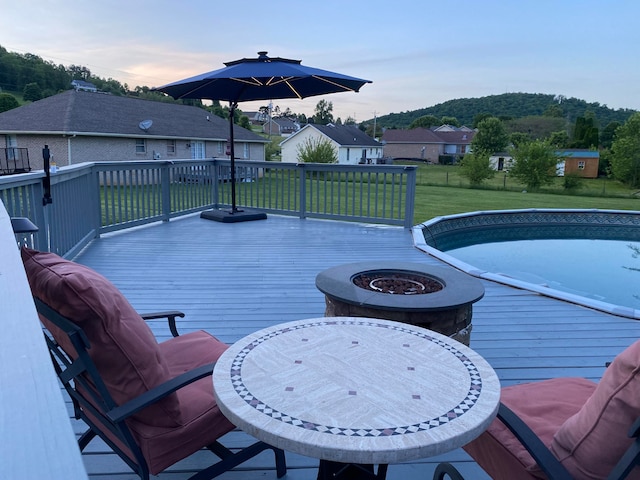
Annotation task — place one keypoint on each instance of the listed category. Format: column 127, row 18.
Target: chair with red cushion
column 565, row 428
column 152, row 403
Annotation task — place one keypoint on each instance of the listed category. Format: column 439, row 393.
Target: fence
column 94, row 198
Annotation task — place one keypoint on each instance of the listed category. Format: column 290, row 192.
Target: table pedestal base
column 350, row 471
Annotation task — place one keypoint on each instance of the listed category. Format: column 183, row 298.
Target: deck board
column 233, row 279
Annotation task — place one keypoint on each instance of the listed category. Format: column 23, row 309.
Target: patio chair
column 152, row 403
column 565, row 428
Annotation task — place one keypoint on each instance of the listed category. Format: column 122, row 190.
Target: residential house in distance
column 444, row 144
column 80, row 126
column 352, row 144
column 84, row 86
column 583, row 163
column 280, row 126
column 256, row 118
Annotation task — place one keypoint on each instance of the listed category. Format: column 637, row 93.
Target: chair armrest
column 149, row 397
column 170, row 315
column 444, row 470
column 549, row 464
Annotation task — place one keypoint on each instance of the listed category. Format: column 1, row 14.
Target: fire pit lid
column 458, row 288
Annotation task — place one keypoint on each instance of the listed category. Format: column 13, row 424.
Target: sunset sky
column 417, row 53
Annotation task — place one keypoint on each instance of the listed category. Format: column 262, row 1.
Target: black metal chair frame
column 111, row 417
column 547, row 462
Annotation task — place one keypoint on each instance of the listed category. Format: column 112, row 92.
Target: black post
column 46, row 182
column 232, row 110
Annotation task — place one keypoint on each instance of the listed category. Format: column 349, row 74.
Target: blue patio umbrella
column 261, row 78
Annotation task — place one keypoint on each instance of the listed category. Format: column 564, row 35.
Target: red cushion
column 591, row 442
column 544, row 407
column 121, row 344
column 202, row 421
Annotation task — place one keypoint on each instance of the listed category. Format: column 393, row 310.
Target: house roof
column 85, row 113
column 345, row 135
column 577, row 153
column 425, row 135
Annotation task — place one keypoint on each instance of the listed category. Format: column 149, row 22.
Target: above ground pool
column 587, row 257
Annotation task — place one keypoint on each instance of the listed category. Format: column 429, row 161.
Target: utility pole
column 374, row 123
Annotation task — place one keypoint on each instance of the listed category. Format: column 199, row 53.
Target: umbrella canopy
column 262, row 78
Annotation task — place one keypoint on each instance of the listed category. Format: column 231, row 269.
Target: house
column 80, row 126
column 256, row 118
column 583, row 163
column 280, row 126
column 352, row 144
column 501, row 161
column 442, row 145
column 85, row 86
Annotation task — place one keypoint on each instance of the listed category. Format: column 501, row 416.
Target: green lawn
column 440, row 190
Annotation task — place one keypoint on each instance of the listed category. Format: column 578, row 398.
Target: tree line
column 535, row 159
column 509, row 106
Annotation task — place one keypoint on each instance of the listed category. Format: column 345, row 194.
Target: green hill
column 508, row 106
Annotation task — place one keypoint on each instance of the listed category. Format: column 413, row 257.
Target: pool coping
column 501, row 217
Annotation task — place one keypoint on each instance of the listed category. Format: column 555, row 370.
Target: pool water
column 604, row 270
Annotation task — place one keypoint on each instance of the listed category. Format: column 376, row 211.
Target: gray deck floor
column 233, row 279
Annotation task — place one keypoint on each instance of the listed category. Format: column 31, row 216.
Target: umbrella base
column 227, row 216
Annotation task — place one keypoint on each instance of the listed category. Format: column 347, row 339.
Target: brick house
column 428, row 145
column 80, row 126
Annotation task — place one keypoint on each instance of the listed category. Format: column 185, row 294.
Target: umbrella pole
column 232, row 110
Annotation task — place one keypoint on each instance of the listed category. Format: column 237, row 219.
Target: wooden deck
column 233, row 279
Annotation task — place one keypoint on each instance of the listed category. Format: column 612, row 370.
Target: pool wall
column 454, row 231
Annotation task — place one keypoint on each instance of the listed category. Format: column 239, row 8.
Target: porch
column 234, row 279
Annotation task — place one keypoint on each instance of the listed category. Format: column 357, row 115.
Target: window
column 141, row 145
column 247, row 151
column 581, row 164
column 221, row 146
column 197, row 150
column 171, row 147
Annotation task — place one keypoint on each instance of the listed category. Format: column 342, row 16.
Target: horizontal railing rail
column 94, row 198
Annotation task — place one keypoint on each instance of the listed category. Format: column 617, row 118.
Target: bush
column 572, row 182
column 317, row 150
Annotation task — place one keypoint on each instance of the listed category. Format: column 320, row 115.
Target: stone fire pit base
column 447, row 311
column 454, row 323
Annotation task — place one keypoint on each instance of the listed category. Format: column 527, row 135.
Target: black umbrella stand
column 235, row 214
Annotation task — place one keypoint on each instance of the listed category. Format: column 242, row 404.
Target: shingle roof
column 78, row 112
column 425, row 135
column 346, row 135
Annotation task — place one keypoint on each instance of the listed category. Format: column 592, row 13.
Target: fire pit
column 433, row 297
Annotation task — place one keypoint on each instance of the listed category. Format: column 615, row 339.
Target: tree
column 425, row 121
column 516, row 138
column 479, row 117
column 323, row 115
column 608, row 134
column 32, row 92
column 625, row 152
column 492, row 137
column 553, row 110
column 535, row 163
column 477, row 168
column 244, row 122
column 585, row 133
column 450, row 121
column 317, row 150
column 559, row 139
column 7, row 102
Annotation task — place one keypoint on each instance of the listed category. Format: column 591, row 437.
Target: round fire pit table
column 437, row 298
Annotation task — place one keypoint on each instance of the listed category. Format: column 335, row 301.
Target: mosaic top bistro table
column 356, row 392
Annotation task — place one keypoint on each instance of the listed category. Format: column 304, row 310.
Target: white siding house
column 352, row 145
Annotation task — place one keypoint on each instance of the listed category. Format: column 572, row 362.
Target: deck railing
column 93, row 198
